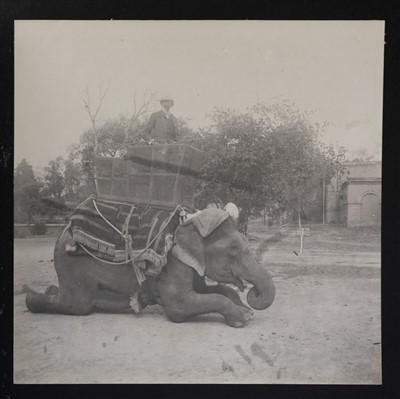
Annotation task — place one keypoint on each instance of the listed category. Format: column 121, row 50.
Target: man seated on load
column 162, row 126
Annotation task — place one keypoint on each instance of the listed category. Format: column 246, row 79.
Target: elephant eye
column 235, row 248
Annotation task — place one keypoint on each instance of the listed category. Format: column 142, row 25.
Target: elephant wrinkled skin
column 222, row 254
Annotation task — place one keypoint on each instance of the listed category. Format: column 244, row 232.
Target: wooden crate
column 163, row 174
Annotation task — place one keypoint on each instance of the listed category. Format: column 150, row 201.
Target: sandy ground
column 324, row 326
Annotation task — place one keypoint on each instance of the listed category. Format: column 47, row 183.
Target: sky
column 334, row 68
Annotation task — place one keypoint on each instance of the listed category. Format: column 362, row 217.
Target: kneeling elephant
column 207, row 245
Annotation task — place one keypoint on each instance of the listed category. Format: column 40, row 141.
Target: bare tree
column 139, row 109
column 93, row 113
column 108, row 134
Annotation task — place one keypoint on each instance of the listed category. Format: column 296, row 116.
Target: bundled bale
column 162, row 175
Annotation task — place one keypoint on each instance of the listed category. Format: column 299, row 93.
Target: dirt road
column 324, row 326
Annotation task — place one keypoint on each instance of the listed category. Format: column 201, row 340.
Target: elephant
column 206, row 245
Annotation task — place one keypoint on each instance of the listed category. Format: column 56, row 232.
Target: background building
column 355, row 197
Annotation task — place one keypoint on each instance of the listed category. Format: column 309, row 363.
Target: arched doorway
column 370, row 209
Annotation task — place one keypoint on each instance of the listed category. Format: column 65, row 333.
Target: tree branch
column 139, row 111
column 102, row 95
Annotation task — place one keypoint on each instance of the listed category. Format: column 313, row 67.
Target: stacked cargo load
column 163, row 175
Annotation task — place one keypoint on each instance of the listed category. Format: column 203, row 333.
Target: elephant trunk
column 262, row 294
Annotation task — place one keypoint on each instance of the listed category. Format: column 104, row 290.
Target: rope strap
column 130, row 254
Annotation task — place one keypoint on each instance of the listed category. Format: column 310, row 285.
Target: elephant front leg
column 182, row 307
column 181, row 302
column 230, row 294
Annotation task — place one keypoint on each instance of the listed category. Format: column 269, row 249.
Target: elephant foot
column 249, row 310
column 241, row 316
column 235, row 324
column 52, row 290
column 36, row 303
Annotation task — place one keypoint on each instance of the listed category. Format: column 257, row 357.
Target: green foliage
column 78, row 173
column 233, row 160
column 26, row 193
column 267, row 156
column 54, row 178
column 111, row 137
column 39, row 229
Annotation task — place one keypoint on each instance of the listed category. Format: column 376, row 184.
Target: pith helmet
column 166, row 97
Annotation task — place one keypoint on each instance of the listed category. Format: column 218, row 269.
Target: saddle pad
column 89, row 228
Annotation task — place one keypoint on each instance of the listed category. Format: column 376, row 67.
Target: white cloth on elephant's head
column 232, row 209
column 208, row 220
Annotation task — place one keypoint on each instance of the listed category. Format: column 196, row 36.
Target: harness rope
column 103, row 260
column 127, row 236
column 109, row 223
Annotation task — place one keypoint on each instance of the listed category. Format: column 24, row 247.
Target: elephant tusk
column 238, row 282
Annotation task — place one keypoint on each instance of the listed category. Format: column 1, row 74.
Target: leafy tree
column 112, row 137
column 298, row 161
column 233, row 161
column 79, row 172
column 54, row 179
column 268, row 156
column 78, row 180
column 26, row 193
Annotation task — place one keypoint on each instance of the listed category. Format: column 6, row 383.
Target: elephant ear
column 189, row 248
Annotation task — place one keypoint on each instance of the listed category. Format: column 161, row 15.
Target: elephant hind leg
column 40, row 303
column 111, row 302
column 56, row 303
